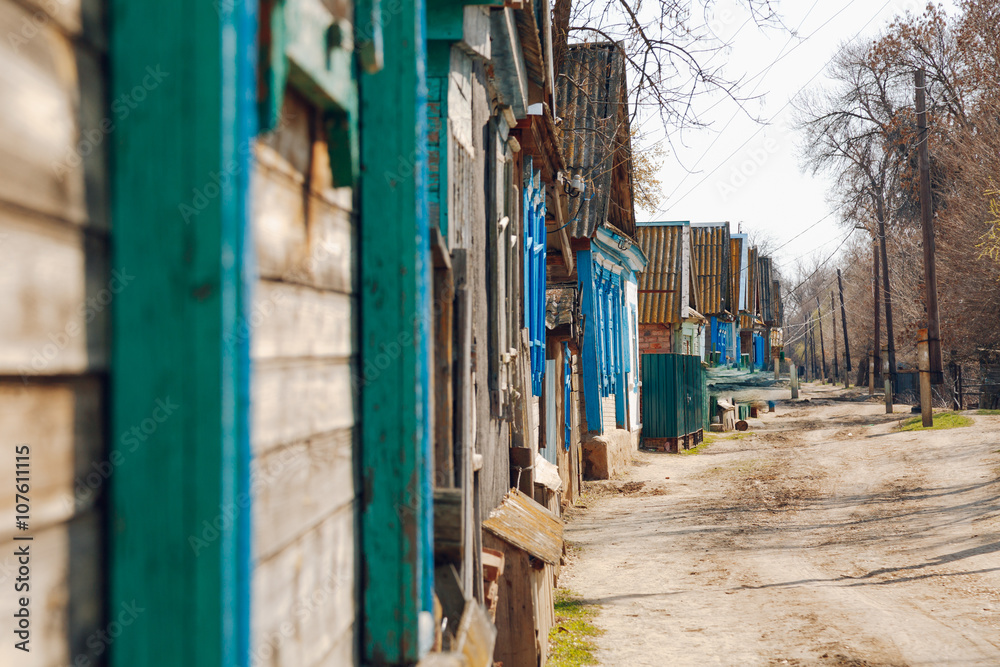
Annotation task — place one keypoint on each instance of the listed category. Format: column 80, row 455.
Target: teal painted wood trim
column 591, row 333
column 396, row 509
column 445, row 18
column 438, row 67
column 180, row 155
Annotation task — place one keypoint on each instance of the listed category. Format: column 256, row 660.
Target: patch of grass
column 942, row 420
column 705, row 442
column 571, row 638
column 987, row 412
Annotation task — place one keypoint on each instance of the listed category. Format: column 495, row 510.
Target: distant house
column 713, row 294
column 668, row 323
column 597, row 149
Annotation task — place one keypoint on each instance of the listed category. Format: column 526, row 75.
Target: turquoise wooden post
column 396, row 513
column 592, row 331
column 183, row 123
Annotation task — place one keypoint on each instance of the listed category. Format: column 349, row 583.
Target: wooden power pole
column 877, row 293
column 843, row 321
column 836, row 364
column 927, row 227
column 822, row 350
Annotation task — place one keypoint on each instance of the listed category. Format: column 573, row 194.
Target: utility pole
column 807, row 348
column 927, row 227
column 836, row 364
column 843, row 320
column 877, row 293
column 890, row 348
column 822, row 349
column 812, row 347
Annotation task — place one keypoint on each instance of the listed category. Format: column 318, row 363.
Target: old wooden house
column 601, row 220
column 314, row 310
column 668, row 321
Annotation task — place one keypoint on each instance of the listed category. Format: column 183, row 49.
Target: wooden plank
column 298, row 486
column 465, row 423
column 527, row 525
column 304, row 596
column 449, row 528
column 56, row 279
column 298, row 399
column 318, row 252
column 185, row 302
column 516, row 642
column 289, row 320
column 476, row 636
column 41, row 166
column 492, row 564
column 66, row 569
column 395, row 284
column 63, row 424
column 442, row 394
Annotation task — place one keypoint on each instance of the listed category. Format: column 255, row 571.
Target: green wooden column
column 180, row 86
column 396, row 521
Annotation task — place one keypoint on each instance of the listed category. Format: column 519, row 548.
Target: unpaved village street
column 825, row 537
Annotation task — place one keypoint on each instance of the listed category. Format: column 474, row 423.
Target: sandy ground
column 827, row 537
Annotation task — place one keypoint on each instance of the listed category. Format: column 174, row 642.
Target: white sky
column 749, row 173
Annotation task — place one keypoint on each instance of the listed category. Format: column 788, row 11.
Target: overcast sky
column 748, row 173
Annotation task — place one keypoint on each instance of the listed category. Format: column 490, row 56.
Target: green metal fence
column 674, row 396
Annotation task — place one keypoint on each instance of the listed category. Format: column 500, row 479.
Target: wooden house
column 711, row 258
column 668, row 320
column 601, row 220
column 294, row 310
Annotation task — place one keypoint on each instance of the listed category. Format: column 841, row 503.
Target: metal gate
column 673, row 395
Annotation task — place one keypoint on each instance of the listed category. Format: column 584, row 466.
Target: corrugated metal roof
column 660, row 287
column 766, row 285
column 735, row 266
column 527, row 525
column 710, row 266
column 753, row 289
column 595, row 136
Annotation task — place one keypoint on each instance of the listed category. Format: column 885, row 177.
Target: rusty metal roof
column 522, row 522
column 596, row 140
column 735, row 270
column 710, row 265
column 660, row 283
column 766, row 286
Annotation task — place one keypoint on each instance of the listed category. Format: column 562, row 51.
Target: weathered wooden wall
column 57, row 289
column 304, row 356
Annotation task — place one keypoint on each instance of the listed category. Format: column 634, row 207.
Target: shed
column 531, row 540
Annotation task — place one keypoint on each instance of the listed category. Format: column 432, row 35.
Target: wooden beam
column 395, row 428
column 179, row 512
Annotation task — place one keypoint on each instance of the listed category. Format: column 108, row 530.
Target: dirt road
column 827, row 537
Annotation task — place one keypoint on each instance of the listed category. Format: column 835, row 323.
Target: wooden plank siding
column 304, row 351
column 53, row 341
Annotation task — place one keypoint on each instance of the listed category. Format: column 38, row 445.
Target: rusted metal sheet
column 661, row 284
column 527, row 525
column 710, row 265
column 595, row 137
